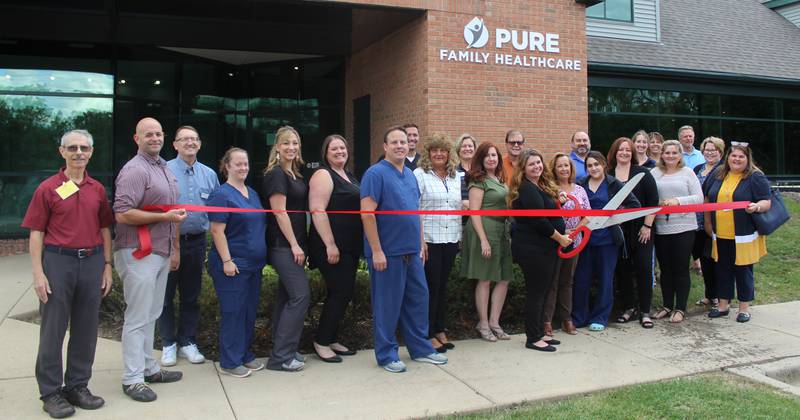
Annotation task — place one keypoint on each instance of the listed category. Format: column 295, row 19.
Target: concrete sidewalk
column 479, row 376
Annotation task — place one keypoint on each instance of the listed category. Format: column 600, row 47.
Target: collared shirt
column 580, row 166
column 144, row 181
column 195, row 184
column 439, row 194
column 508, row 168
column 393, row 190
column 690, row 160
column 72, row 222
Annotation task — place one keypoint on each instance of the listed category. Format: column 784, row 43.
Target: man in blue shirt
column 195, row 182
column 393, row 249
column 581, row 145
column 691, row 156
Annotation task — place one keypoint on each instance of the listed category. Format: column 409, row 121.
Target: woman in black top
column 535, row 240
column 335, row 241
column 284, row 189
column 636, row 256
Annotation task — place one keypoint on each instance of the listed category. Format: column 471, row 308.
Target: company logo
column 475, row 33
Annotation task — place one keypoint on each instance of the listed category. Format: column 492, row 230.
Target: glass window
column 791, row 109
column 791, row 145
column 27, row 80
column 146, row 80
column 612, row 10
column 760, row 135
column 749, row 107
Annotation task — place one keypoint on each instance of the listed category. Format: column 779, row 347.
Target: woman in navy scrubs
column 235, row 263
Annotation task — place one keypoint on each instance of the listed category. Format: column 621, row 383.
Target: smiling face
column 624, row 153
column 655, row 146
column 491, row 160
column 289, row 148
column 439, row 158
column 641, row 144
column 534, row 168
column 711, row 153
column 412, row 133
column 396, row 146
column 336, row 155
column 686, row 137
column 671, row 155
column 580, row 143
column 238, row 166
column 563, row 169
column 595, row 168
column 76, row 151
column 514, row 144
column 737, row 160
column 467, row 150
column 187, row 144
column 149, row 136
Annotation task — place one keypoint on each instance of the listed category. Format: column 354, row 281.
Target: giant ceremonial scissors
column 602, row 222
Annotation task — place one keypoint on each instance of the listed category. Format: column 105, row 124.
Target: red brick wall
column 13, row 247
column 408, row 82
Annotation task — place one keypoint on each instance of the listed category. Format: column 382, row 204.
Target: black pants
column 340, row 280
column 437, row 270
column 187, row 280
column 730, row 274
column 75, row 300
column 538, row 267
column 635, row 275
column 673, row 252
column 702, row 250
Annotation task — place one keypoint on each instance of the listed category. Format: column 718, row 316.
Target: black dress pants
column 673, row 252
column 340, row 279
column 75, row 300
column 635, row 275
column 437, row 270
column 538, row 266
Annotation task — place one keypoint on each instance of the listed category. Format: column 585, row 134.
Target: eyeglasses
column 74, row 148
column 188, row 139
column 516, row 143
column 740, row 143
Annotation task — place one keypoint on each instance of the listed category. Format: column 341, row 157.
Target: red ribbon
column 146, row 245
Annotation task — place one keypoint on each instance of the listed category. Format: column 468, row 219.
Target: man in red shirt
column 70, row 245
column 514, row 143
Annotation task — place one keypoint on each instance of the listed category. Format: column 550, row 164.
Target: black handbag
column 771, row 220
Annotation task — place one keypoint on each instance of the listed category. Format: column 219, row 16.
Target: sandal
column 627, row 315
column 702, row 302
column 485, row 333
column 662, row 313
column 675, row 314
column 646, row 322
column 499, row 333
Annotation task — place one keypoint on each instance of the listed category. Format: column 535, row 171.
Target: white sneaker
column 169, row 355
column 191, row 353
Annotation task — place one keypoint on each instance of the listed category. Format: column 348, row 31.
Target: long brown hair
column 477, row 172
column 327, row 142
column 725, row 168
column 545, row 183
column 612, row 153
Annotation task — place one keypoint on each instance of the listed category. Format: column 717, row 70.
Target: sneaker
column 238, row 372
column 395, row 367
column 169, row 355
column 57, row 407
column 80, row 396
column 163, row 376
column 293, row 365
column 139, row 392
column 433, row 358
column 190, row 353
column 254, row 365
column 299, row 357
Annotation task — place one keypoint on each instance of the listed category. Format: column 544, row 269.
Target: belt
column 80, row 253
column 192, row 236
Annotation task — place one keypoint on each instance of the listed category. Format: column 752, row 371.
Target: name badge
column 204, row 196
column 66, row 189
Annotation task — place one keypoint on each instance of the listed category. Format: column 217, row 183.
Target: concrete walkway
column 480, row 375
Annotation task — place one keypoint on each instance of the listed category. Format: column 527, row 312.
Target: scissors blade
column 623, row 193
column 624, row 217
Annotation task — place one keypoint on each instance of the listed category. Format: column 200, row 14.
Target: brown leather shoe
column 569, row 327
column 548, row 329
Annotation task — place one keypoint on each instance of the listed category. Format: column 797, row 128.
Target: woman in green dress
column 486, row 246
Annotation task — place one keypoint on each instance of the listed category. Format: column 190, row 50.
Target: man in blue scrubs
column 393, row 246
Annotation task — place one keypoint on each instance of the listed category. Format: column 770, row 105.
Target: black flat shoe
column 716, row 313
column 333, row 359
column 548, row 348
column 441, row 349
column 449, row 346
column 552, row 342
column 345, row 353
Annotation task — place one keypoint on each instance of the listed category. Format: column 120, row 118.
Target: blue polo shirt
column 244, row 231
column 690, row 160
column 393, row 190
column 195, row 184
column 580, row 166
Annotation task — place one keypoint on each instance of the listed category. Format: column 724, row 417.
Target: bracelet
column 109, row 263
column 227, row 261
column 648, row 226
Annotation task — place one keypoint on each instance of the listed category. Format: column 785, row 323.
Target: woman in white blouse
column 440, row 189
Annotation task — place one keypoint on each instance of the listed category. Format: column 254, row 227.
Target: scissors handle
column 587, row 233
column 571, row 198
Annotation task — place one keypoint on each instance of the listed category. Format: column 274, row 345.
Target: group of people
column 410, row 257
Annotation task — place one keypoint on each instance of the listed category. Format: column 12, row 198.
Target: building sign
column 516, row 48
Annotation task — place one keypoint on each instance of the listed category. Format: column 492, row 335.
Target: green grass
column 715, row 396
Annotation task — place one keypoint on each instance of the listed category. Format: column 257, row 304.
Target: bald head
column 149, row 136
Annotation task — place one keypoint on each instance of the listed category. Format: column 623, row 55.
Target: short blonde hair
column 675, row 143
column 716, row 141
